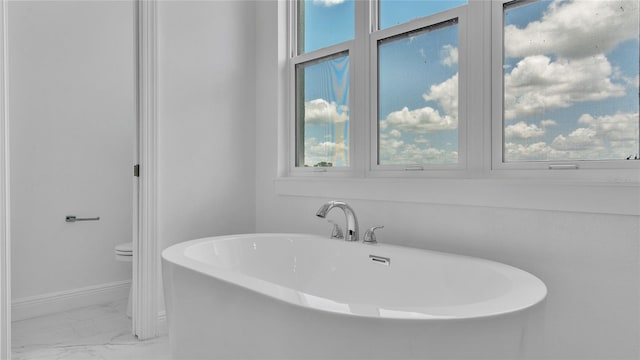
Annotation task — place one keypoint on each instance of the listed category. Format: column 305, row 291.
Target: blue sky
column 570, row 70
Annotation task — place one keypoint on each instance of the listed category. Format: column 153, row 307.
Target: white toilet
column 124, row 252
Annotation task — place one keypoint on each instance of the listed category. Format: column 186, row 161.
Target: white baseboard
column 32, row 306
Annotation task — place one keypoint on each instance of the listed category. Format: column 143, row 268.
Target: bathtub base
column 212, row 319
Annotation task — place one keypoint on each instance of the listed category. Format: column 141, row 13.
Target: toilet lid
column 124, row 248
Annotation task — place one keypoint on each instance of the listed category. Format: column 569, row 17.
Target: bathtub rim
column 175, row 255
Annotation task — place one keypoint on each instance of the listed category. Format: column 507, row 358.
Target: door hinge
column 136, row 170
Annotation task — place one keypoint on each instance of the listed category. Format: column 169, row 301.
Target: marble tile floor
column 94, row 332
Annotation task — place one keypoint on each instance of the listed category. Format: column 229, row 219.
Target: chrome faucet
column 352, row 221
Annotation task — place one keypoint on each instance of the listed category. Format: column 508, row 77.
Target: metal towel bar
column 73, row 218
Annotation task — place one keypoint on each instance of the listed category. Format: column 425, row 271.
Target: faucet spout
column 352, row 221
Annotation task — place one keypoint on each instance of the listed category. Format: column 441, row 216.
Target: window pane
column 323, row 23
column 322, row 112
column 394, row 12
column 571, row 80
column 418, row 97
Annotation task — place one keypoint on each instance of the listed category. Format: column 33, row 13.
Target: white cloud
column 520, row 152
column 449, row 55
column 617, row 127
column 548, row 123
column 389, row 143
column 603, row 137
column 395, row 133
column 579, row 139
column 425, row 120
column 446, row 95
column 564, row 58
column 320, row 111
column 575, row 29
column 394, row 149
column 317, row 151
column 568, row 149
column 522, row 130
column 328, row 3
column 428, row 119
column 538, row 84
column 397, row 152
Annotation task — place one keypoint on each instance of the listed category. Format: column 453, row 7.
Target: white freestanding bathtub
column 294, row 296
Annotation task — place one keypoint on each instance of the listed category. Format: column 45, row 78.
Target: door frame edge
column 146, row 262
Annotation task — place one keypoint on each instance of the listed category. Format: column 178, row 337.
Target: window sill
column 618, row 198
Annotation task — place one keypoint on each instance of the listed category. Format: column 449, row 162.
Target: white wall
column 206, row 125
column 63, row 55
column 72, row 126
column 206, row 80
column 589, row 260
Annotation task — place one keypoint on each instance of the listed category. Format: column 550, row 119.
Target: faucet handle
column 370, row 235
column 336, row 232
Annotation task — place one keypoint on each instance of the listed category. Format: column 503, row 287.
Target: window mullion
column 478, row 90
column 360, row 90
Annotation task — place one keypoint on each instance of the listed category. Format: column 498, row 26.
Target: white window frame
column 588, row 169
column 296, row 59
column 480, row 105
column 419, row 170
